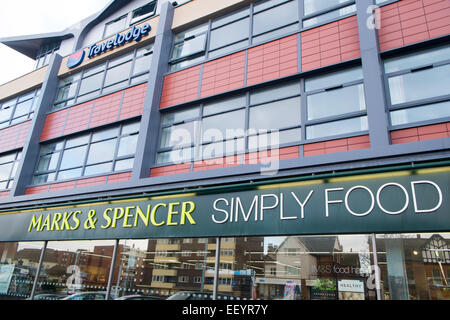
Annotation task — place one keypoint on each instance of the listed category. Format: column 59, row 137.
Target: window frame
column 103, row 67
column 424, row 102
column 17, row 101
column 123, row 17
column 13, row 171
column 88, row 144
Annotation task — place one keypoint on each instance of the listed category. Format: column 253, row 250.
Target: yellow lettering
column 65, row 221
column 140, row 214
column 46, row 223
column 152, row 216
column 55, row 222
column 76, row 220
column 127, row 216
column 185, row 213
column 117, row 216
column 35, row 223
column 107, row 218
column 171, row 213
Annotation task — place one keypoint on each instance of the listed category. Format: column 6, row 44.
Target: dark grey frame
column 34, row 98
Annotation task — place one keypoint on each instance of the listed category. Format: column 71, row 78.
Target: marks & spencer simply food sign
column 402, row 201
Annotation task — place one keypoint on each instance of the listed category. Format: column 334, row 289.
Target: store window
column 158, row 269
column 317, row 12
column 96, row 153
column 18, row 266
column 252, row 24
column 19, row 109
column 115, row 74
column 220, row 127
column 417, row 92
column 115, row 26
column 414, row 266
column 77, row 270
column 347, row 113
column 8, row 168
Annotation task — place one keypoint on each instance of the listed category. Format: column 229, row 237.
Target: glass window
column 76, row 270
column 331, row 80
column 337, row 127
column 284, row 17
column 215, row 128
column 143, row 12
column 414, row 266
column 115, row 26
column 329, row 16
column 8, row 168
column 419, row 85
column 179, row 135
column 18, row 261
column 180, row 115
column 266, row 116
column 423, row 113
column 339, row 101
column 119, row 73
column 19, row 109
column 230, row 33
column 90, row 154
column 313, row 6
column 224, row 105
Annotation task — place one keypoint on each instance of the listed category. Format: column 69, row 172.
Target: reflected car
column 138, row 297
column 47, row 296
column 188, row 295
column 88, row 296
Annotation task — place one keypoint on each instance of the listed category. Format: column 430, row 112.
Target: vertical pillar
column 216, row 270
column 372, row 67
column 148, row 135
column 111, row 270
column 38, row 271
column 30, row 150
column 395, row 258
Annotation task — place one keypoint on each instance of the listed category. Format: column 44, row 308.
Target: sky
column 27, row 17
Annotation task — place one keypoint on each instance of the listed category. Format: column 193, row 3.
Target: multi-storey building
column 152, row 125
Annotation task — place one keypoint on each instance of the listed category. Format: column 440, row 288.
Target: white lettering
column 327, row 201
column 404, row 191
column 302, row 205
column 372, row 204
column 416, row 207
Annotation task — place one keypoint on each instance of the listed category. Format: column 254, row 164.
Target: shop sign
column 351, row 286
column 134, row 34
column 391, row 202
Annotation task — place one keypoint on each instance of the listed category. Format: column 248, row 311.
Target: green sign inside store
column 401, row 201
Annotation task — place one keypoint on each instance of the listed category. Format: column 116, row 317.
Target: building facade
column 272, row 149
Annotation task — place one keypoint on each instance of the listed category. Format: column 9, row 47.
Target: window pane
column 337, row 128
column 335, row 102
column 275, row 18
column 69, row 174
column 115, row 26
column 420, row 85
column 105, row 134
column 98, row 169
column 274, row 93
column 142, row 64
column 224, row 105
column 131, row 128
column 229, row 33
column 267, row 116
column 312, row 6
column 102, row 151
column 127, row 145
column 73, row 157
column 333, row 79
column 48, row 162
column 5, row 114
column 265, row 140
column 179, row 134
column 176, row 156
column 422, row 113
column 91, row 83
column 23, row 108
column 223, row 148
column 177, row 116
column 44, row 178
column 329, row 16
column 126, row 164
column 191, row 32
column 276, row 33
column 189, row 47
column 118, row 73
column 7, row 158
column 77, row 141
column 5, row 171
column 417, row 59
column 223, row 125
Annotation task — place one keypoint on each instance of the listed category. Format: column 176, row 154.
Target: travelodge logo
column 76, row 59
column 134, row 34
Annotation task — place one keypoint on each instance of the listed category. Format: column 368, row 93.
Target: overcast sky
column 26, row 17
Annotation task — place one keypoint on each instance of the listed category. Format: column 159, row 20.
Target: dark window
column 143, row 12
column 45, row 53
column 99, row 152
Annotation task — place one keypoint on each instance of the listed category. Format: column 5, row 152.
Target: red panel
column 38, row 189
column 171, row 169
column 272, row 60
column 4, row 194
column 119, row 177
column 223, row 74
column 106, row 109
column 14, row 137
column 78, row 118
column 180, row 87
column 331, row 43
column 410, row 21
column 90, row 182
column 429, row 132
column 133, row 101
column 338, row 145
